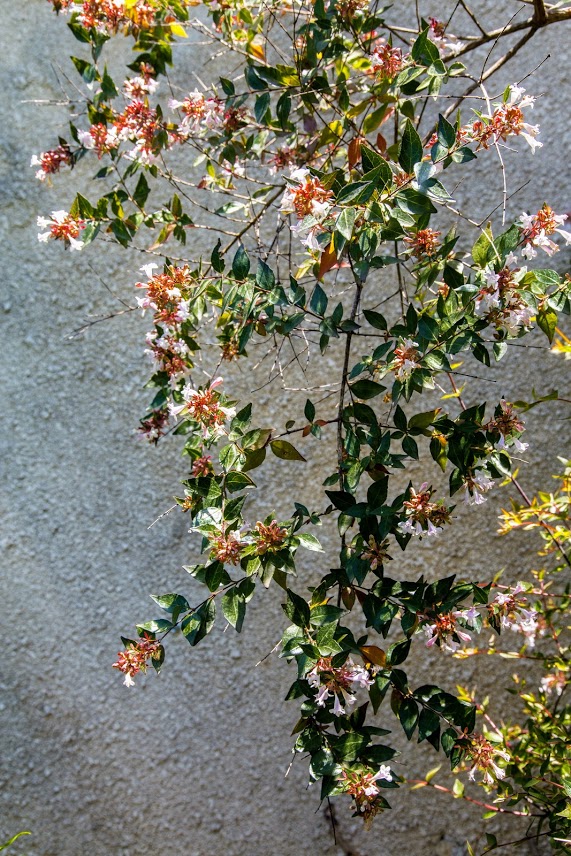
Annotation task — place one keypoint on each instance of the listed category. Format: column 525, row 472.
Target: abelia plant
column 325, row 166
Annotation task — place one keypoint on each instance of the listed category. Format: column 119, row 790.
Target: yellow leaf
column 256, row 50
column 177, row 30
column 373, row 654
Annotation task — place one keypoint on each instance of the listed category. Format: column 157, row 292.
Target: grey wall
column 192, row 762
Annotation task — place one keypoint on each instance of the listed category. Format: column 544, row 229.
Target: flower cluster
column 445, row 633
column 406, row 359
column 483, row 754
column 154, row 426
column 167, row 294
column 507, row 120
column 476, row 485
column 423, row 517
column 506, row 426
column 108, row 16
column 537, row 228
column 199, row 112
column 444, row 41
column 226, row 546
column 340, row 682
column 139, row 123
column 361, row 784
column 376, row 554
column 99, row 138
column 62, row 226
column 52, row 161
column 269, row 537
column 423, row 244
column 134, row 658
column 387, row 61
column 349, row 8
column 554, row 682
column 500, row 301
column 305, row 196
column 512, row 614
column 204, row 406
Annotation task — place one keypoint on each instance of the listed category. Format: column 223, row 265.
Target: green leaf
column 345, row 222
column 283, row 449
column 234, row 608
column 261, row 106
column 410, row 152
column 309, row 541
column 265, row 276
column 142, row 191
column 446, row 132
column 424, row 51
column 319, row 301
column 216, row 259
column 358, row 192
column 241, row 264
column 237, row 481
column 296, row 609
column 408, row 715
column 366, row 389
column 483, row 250
column 171, row 602
column 375, row 319
column 547, row 321
column 341, row 499
column 397, row 653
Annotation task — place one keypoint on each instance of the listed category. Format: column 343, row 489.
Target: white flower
column 129, row 682
column 384, row 773
column 148, row 269
column 338, row 709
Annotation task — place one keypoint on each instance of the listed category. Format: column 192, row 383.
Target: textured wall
column 192, row 762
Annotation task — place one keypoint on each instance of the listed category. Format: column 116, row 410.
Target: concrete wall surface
column 192, row 762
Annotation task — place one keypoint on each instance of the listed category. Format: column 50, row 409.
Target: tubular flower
column 444, row 42
column 512, row 614
column 62, row 227
column 537, row 228
column 483, row 755
column 134, row 658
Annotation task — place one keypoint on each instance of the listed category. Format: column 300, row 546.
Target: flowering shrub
column 332, row 128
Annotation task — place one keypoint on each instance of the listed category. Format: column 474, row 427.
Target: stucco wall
column 192, row 762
